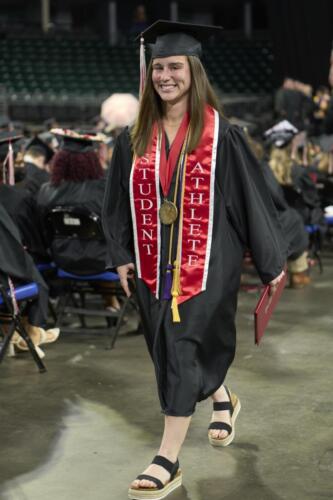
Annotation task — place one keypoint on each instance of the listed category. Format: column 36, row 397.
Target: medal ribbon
column 168, row 165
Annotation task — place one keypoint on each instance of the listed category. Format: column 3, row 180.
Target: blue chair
column 77, row 223
column 23, row 294
column 81, row 285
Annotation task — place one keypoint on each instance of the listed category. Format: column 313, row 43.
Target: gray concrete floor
column 86, row 428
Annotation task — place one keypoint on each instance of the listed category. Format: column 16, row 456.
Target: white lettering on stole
column 197, row 181
column 194, row 244
column 146, row 204
column 144, row 173
column 196, row 198
column 197, row 167
column 193, row 215
column 148, row 247
column 192, row 260
column 146, row 219
column 195, row 229
column 148, row 189
column 147, row 234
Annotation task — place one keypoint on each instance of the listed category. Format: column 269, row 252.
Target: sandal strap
column 170, row 467
column 225, row 405
column 153, row 479
column 220, row 426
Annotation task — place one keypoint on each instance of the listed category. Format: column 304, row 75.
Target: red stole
column 196, row 213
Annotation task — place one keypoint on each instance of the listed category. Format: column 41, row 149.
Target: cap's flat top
column 79, row 135
column 7, row 136
column 200, row 32
column 78, row 141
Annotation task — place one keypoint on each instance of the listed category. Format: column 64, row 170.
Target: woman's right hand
column 125, row 273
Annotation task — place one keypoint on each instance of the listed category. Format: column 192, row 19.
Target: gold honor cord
column 176, row 289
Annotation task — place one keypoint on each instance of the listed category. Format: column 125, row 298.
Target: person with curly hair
column 77, row 180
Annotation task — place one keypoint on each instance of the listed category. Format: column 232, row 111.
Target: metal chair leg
column 21, row 330
column 116, row 328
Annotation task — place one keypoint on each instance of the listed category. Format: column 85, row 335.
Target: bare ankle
column 169, row 454
column 219, row 395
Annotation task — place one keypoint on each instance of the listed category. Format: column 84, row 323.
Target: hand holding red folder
column 266, row 305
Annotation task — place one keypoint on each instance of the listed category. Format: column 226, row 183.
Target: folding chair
column 78, row 223
column 12, row 301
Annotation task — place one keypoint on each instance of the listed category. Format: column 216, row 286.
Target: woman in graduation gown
column 178, row 213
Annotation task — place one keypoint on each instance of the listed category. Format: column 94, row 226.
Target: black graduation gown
column 292, row 224
column 308, row 202
column 21, row 206
column 73, row 255
column 16, row 263
column 34, row 178
column 191, row 358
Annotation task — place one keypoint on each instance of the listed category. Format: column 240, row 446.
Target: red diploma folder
column 265, row 308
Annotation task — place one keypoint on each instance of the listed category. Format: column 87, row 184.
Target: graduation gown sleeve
column 249, row 205
column 116, row 217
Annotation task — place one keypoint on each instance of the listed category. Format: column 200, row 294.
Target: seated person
column 78, row 181
column 16, row 263
column 291, row 173
column 293, row 230
column 20, row 204
column 36, row 165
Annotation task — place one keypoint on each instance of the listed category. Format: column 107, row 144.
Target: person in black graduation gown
column 37, row 156
column 18, row 265
column 191, row 334
column 77, row 180
column 293, row 230
column 20, row 204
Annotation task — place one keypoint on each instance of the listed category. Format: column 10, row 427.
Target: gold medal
column 168, row 212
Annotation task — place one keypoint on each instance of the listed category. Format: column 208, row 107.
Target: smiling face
column 171, row 78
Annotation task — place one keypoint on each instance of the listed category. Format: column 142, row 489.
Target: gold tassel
column 175, row 292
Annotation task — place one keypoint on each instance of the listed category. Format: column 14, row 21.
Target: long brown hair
column 151, row 110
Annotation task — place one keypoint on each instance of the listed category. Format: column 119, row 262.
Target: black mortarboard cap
column 37, row 142
column 7, row 137
column 169, row 38
column 77, row 141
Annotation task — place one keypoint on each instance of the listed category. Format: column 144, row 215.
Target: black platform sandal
column 233, row 406
column 161, row 490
